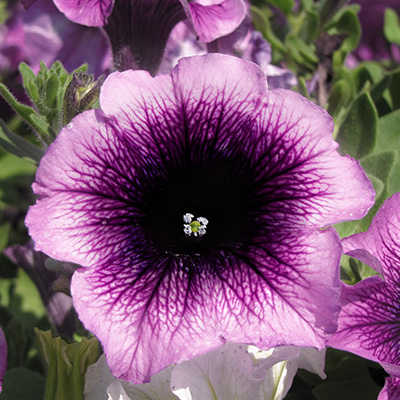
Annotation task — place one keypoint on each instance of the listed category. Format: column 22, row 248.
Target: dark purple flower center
column 139, row 30
column 218, row 188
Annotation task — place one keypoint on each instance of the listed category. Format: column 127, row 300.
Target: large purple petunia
column 194, row 202
column 369, row 323
column 139, row 29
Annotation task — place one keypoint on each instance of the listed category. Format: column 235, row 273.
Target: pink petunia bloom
column 139, row 29
column 245, row 42
column 369, row 319
column 194, row 203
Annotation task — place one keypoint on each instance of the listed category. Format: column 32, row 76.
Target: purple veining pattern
column 139, row 29
column 391, row 390
column 3, row 357
column 210, row 139
column 369, row 320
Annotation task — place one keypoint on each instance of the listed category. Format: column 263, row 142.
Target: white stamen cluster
column 195, row 227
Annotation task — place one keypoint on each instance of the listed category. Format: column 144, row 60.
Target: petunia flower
column 3, row 357
column 53, row 285
column 43, row 34
column 234, row 371
column 139, row 29
column 254, row 173
column 373, row 44
column 369, row 319
column 391, row 390
column 244, row 42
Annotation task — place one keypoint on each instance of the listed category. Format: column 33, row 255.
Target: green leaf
column 301, row 52
column 262, row 24
column 391, row 27
column 328, row 9
column 24, row 111
column 52, row 89
column 17, row 343
column 338, row 98
column 284, row 5
column 29, row 81
column 389, row 138
column 5, row 228
column 389, row 131
column 67, row 365
column 357, row 134
column 22, row 384
column 26, row 303
column 394, row 89
column 352, row 389
column 40, row 122
column 348, row 378
column 346, row 21
column 18, row 146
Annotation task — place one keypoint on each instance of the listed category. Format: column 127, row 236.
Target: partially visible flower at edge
column 139, row 29
column 3, row 357
column 231, row 371
column 53, row 286
column 42, row 33
column 208, row 142
column 373, row 44
column 245, row 42
column 391, row 390
column 369, row 319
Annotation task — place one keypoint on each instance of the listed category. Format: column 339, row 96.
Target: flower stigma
column 194, row 227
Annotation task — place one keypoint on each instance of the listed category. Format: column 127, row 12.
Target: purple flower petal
column 373, row 44
column 216, row 18
column 391, row 390
column 210, row 140
column 139, row 30
column 381, row 241
column 58, row 305
column 311, row 185
column 270, row 302
column 368, row 323
column 88, row 12
column 49, row 36
column 369, row 320
column 3, row 357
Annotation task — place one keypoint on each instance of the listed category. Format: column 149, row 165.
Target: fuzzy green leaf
column 357, row 134
column 18, row 146
column 67, row 365
column 391, row 27
column 22, row 384
column 338, row 97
